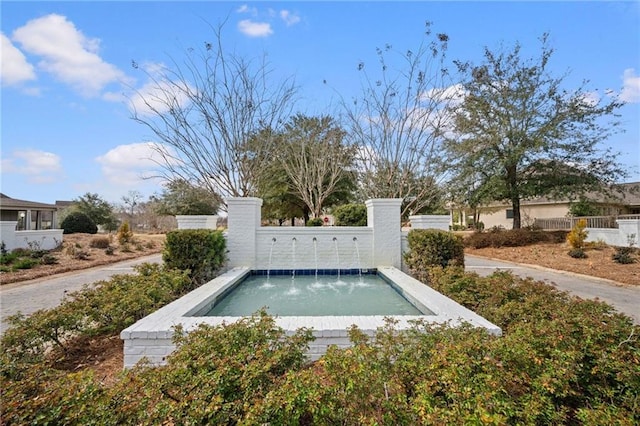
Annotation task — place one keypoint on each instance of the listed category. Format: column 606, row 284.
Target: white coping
column 158, row 326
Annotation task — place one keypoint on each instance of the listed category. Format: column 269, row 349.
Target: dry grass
column 597, row 264
column 76, row 252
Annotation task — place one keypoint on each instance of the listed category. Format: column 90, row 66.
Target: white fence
column 626, row 234
column 617, row 231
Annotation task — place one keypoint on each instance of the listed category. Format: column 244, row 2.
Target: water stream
column 335, row 243
column 315, row 253
column 273, row 242
column 358, row 265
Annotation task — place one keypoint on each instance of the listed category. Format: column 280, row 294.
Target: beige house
column 29, row 215
column 501, row 214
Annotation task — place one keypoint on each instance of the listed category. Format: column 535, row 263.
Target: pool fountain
column 271, row 264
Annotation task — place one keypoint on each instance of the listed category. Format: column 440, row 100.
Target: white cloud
column 157, row 95
column 130, row 164
column 255, row 29
column 38, row 166
column 289, row 18
column 630, row 86
column 246, row 9
column 453, row 95
column 67, row 54
column 15, row 67
column 590, row 99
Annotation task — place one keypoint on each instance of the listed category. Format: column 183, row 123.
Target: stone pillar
column 8, row 234
column 27, row 221
column 383, row 215
column 242, row 223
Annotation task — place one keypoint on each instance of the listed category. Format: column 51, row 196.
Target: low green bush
column 316, row 221
column 103, row 307
column 78, row 222
column 202, row 252
column 560, row 360
column 350, row 215
column 577, row 253
column 430, row 247
column 624, row 255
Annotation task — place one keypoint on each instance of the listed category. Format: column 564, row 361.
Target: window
column 509, row 213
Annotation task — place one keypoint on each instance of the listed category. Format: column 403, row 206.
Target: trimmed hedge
column 497, row 237
column 432, row 247
column 78, row 223
column 350, row 215
column 202, row 252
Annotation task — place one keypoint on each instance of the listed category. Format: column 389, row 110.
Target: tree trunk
column 515, row 205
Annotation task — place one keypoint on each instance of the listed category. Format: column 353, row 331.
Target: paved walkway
column 43, row 293
column 624, row 298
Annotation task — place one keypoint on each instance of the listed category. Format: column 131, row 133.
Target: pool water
column 306, row 295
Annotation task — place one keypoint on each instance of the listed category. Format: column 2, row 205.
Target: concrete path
column 44, row 293
column 625, row 299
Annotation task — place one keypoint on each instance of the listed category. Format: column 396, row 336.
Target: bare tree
column 398, row 123
column 204, row 109
column 315, row 159
column 131, row 201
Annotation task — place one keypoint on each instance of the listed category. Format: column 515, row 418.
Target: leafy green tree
column 583, row 207
column 97, row 209
column 526, row 135
column 181, row 198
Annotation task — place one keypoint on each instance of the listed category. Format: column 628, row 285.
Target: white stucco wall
column 335, row 247
column 45, row 239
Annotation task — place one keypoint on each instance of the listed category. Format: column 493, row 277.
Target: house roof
column 626, row 194
column 8, row 203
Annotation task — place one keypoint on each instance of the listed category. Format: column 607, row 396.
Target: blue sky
column 67, row 69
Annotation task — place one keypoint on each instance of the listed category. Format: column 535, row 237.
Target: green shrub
column 100, row 242
column 316, row 221
column 78, row 222
column 216, row 375
column 102, row 307
column 9, row 258
column 350, row 215
column 109, row 251
column 577, row 253
column 200, row 251
column 428, row 247
column 25, row 263
column 624, row 255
